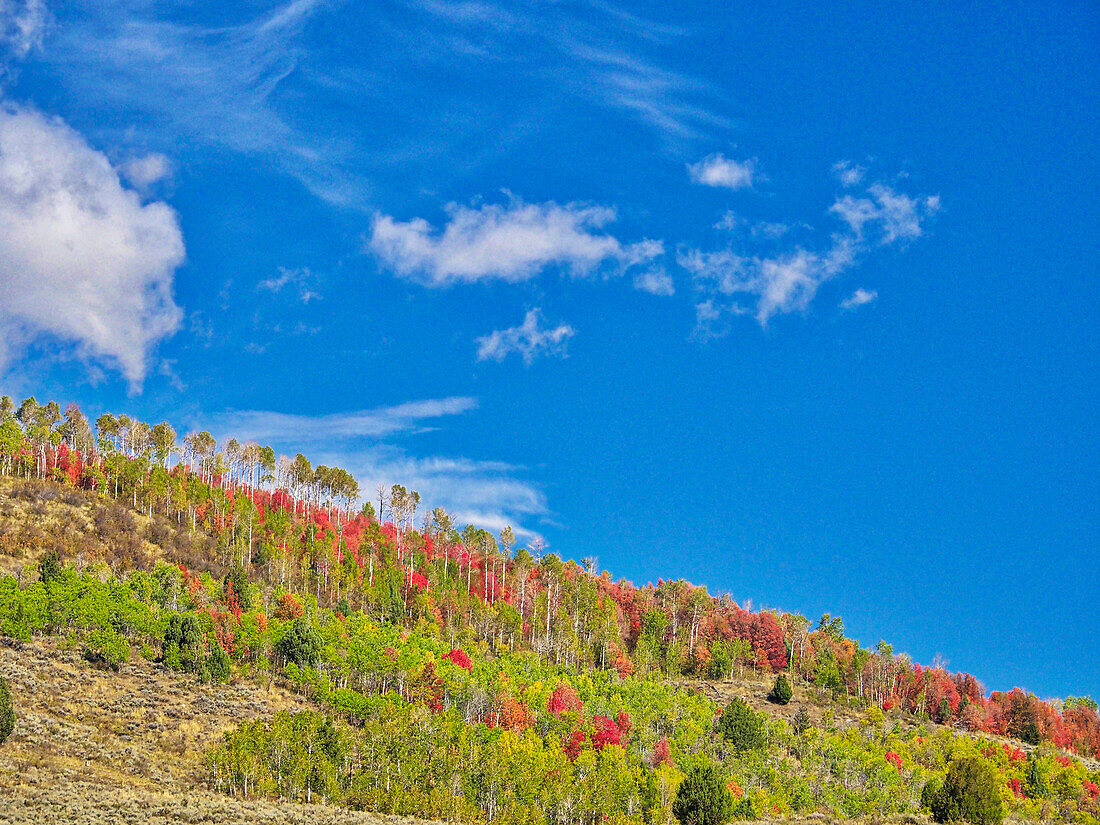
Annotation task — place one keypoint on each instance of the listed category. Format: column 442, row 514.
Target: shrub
column 7, row 711
column 106, row 648
column 969, row 792
column 781, row 692
column 743, row 727
column 702, row 798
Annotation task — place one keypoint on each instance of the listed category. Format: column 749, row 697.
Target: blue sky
column 795, row 301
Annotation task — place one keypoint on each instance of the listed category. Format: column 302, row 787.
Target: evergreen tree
column 801, row 721
column 702, row 798
column 301, row 644
column 217, row 665
column 969, row 792
column 182, row 646
column 781, row 692
column 7, row 711
column 49, row 569
column 743, row 727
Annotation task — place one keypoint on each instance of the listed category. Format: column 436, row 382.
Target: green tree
column 969, row 792
column 827, row 676
column 218, row 665
column 1035, row 778
column 7, row 711
column 831, row 626
column 781, row 692
column 702, row 798
column 182, row 646
column 801, row 721
column 743, row 727
column 49, row 569
column 11, row 439
column 301, row 644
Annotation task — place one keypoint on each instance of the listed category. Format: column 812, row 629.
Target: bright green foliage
column 827, row 675
column 781, row 692
column 743, row 727
column 702, row 798
column 183, row 643
column 970, row 792
column 301, row 644
column 7, row 711
column 106, row 648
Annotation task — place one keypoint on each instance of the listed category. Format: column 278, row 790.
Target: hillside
column 354, row 660
column 93, row 746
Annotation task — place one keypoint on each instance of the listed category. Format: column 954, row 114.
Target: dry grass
column 95, row 747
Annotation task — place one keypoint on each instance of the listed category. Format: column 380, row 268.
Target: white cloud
column 789, row 280
column 892, row 215
column 859, row 298
column 655, row 281
column 848, row 173
column 530, row 339
column 302, row 279
column 142, row 172
column 81, row 258
column 784, row 283
column 284, row 428
column 510, row 243
column 22, row 26
column 718, row 170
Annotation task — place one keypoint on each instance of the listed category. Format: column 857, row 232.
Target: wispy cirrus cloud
column 82, row 259
column 218, row 85
column 372, row 445
column 283, row 428
column 718, row 170
column 530, row 340
column 512, row 243
column 489, row 494
column 788, row 280
column 247, row 83
column 301, row 280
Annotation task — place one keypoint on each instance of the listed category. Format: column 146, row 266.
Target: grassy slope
column 97, row 747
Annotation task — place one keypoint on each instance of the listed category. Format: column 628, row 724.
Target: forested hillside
column 451, row 673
